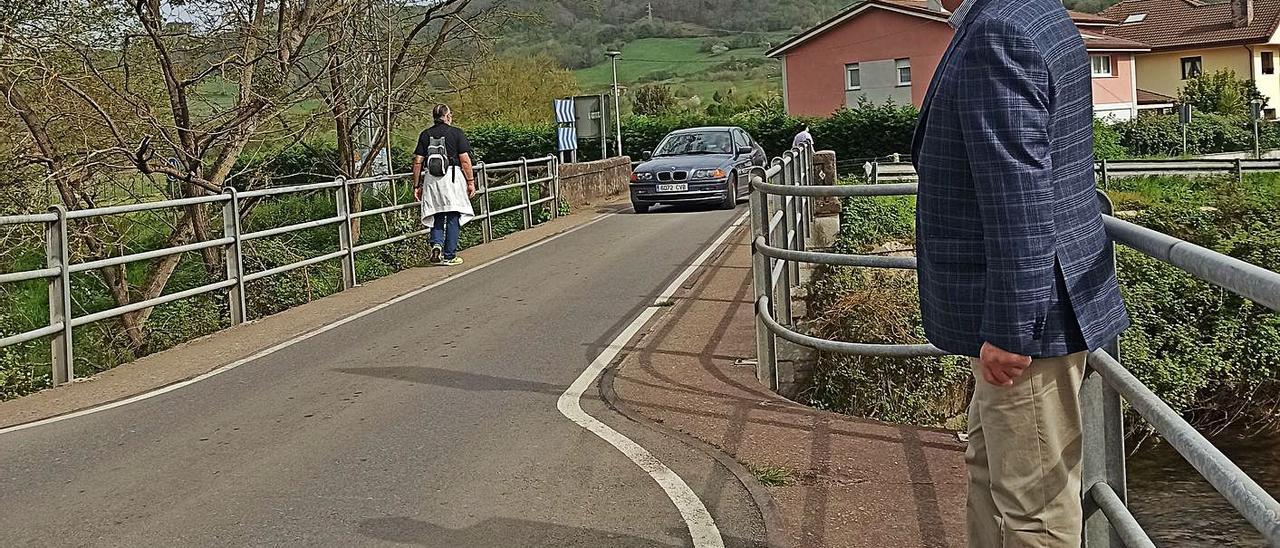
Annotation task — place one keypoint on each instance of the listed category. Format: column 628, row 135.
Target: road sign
column 588, row 114
column 567, row 137
column 564, row 111
column 1255, row 108
column 1184, row 114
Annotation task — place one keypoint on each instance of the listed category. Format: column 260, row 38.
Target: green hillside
column 686, row 65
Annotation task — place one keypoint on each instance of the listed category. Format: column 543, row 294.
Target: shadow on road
column 448, row 378
column 504, row 532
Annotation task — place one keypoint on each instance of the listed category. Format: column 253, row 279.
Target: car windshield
column 696, row 142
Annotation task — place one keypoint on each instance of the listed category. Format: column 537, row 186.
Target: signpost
column 1255, row 108
column 566, row 130
column 1184, row 117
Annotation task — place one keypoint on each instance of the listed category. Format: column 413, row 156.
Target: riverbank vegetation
column 1211, row 355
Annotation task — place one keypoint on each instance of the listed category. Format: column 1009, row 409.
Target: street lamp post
column 617, row 96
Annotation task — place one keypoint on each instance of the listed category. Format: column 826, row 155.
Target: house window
column 1101, row 65
column 904, row 71
column 1268, row 63
column 1191, row 67
column 852, row 78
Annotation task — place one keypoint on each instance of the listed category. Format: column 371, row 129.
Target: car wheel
column 731, row 197
column 640, row 208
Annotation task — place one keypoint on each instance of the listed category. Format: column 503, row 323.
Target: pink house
column 888, row 49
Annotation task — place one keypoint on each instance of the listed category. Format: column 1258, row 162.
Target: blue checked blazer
column 1010, row 242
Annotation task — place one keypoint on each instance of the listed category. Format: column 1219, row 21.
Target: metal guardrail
column 59, row 265
column 786, row 187
column 1109, row 169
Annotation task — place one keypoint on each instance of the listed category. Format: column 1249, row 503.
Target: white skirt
column 444, row 195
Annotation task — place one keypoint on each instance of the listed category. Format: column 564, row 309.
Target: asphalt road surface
column 432, row 422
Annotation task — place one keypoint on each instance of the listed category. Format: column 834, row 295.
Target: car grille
column 673, row 175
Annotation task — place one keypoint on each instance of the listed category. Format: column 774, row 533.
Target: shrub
column 654, row 100
column 1106, row 142
column 1220, row 92
column 879, row 306
column 1161, row 135
column 1209, row 354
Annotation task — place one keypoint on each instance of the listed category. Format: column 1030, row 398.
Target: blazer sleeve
column 1004, row 109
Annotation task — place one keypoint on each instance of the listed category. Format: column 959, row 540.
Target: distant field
column 677, row 61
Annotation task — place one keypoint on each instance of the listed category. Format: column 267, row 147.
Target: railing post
column 762, row 276
column 528, row 198
column 1102, row 439
column 794, row 234
column 1106, row 176
column 344, row 235
column 783, row 294
column 234, row 255
column 1239, row 171
column 486, row 220
column 554, row 186
column 57, row 255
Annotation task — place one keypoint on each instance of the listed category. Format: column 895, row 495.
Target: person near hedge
column 1014, row 265
column 803, row 137
column 446, row 200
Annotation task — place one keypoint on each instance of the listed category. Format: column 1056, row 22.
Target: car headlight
column 644, row 176
column 709, row 174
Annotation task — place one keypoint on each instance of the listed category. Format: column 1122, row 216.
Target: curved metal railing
column 782, row 213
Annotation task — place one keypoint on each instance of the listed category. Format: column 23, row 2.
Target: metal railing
column 1109, row 169
column 781, row 210
column 59, row 266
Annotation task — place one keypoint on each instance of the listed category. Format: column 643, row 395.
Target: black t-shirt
column 455, row 142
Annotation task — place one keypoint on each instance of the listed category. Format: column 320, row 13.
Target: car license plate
column 673, row 188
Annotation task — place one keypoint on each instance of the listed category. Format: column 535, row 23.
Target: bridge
column 585, row 381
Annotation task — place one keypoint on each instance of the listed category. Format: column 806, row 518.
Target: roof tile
column 1182, row 24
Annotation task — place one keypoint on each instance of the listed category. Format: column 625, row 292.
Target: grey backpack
column 437, row 157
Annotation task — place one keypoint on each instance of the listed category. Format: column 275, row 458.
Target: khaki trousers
column 1024, row 457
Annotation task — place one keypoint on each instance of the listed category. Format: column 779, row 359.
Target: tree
column 654, row 100
column 388, row 58
column 516, row 90
column 112, row 95
column 1220, row 92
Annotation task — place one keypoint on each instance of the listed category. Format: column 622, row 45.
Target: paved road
column 430, row 423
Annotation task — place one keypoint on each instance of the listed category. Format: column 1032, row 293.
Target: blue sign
column 564, row 111
column 568, row 138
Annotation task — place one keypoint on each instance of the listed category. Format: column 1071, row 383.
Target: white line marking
column 302, row 337
column 702, row 527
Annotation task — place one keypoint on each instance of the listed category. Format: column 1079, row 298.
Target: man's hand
column 1000, row 367
column 471, row 188
column 417, row 192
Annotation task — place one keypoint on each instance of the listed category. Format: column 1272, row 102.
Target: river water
column 1179, row 509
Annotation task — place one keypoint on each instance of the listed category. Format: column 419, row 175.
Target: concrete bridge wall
column 592, row 182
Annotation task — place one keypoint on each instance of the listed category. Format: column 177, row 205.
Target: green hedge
column 1161, row 136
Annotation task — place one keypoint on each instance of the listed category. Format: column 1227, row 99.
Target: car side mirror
column 647, row 155
column 746, row 150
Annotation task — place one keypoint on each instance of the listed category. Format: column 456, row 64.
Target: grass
column 677, row 61
column 772, row 476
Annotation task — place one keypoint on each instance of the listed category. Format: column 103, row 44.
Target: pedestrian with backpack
column 446, row 185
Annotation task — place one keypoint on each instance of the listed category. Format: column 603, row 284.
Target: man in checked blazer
column 1015, row 269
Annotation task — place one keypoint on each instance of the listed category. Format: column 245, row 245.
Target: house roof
column 1184, row 24
column 1094, row 41
column 915, row 8
column 1152, row 98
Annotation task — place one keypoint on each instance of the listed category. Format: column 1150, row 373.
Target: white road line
column 300, row 338
column 702, row 527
